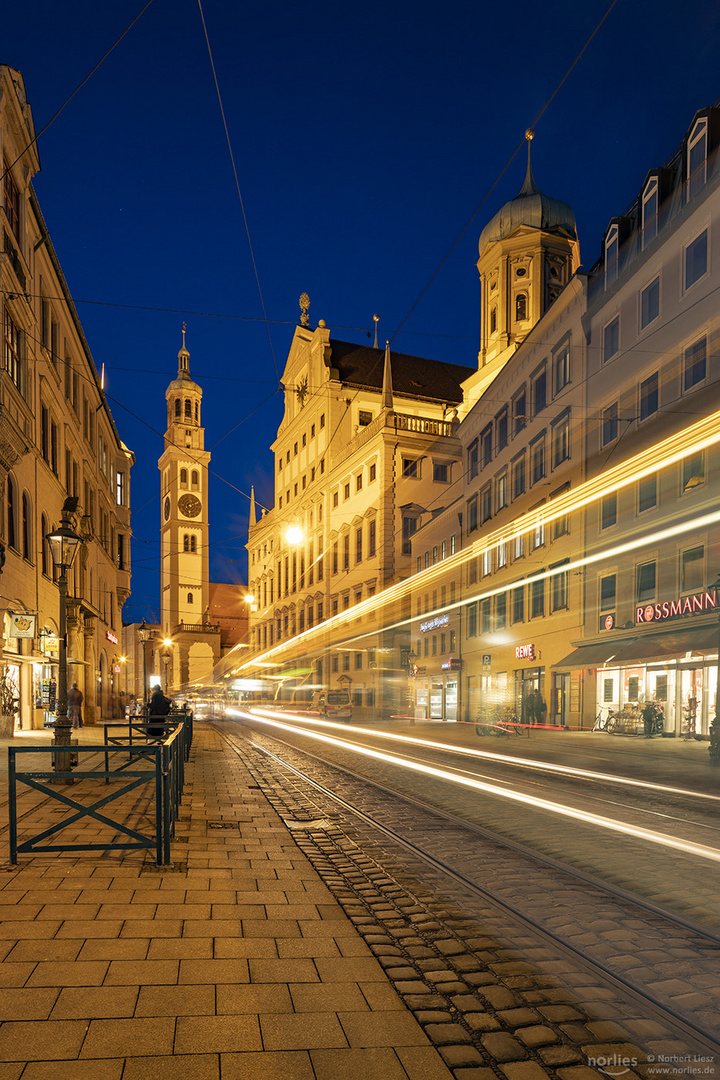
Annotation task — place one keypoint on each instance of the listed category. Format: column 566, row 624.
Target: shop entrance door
column 560, row 695
column 436, row 700
column 692, row 702
column 451, row 699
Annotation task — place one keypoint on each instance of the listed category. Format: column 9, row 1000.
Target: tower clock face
column 166, row 507
column 189, row 505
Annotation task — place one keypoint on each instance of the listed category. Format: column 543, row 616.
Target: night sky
column 367, row 141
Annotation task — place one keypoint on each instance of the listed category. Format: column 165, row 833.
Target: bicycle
column 604, row 723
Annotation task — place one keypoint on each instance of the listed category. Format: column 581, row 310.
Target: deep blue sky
column 365, row 138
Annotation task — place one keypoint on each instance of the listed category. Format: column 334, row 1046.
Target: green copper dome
column 529, row 207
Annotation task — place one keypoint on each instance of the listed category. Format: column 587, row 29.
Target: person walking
column 540, row 708
column 159, row 708
column 74, row 705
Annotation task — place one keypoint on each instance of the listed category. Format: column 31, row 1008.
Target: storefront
column 671, row 659
column 436, row 695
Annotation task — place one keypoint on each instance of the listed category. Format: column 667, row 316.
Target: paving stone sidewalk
column 235, row 962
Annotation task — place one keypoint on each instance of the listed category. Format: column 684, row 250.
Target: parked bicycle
column 495, row 722
column 604, row 722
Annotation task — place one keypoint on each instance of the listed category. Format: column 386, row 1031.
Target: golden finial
column 376, row 320
column 304, row 306
column 529, row 134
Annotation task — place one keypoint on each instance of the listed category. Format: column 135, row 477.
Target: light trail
column 486, row 755
column 611, row 825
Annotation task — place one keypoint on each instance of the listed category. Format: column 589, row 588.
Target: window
column 697, row 157
column 372, row 527
column 11, row 512
column 452, row 544
column 434, row 555
column 501, row 430
column 608, row 511
column 607, row 593
column 537, row 459
column 11, row 350
column 650, row 212
column 518, row 604
column 537, row 599
column 521, row 307
column 335, row 557
column 519, row 547
column 645, row 582
column 647, row 493
column 501, row 491
column 493, row 320
column 178, row 408
column 518, row 477
column 539, row 391
column 486, row 562
column 364, row 418
column 26, row 522
column 472, row 572
column 472, row 459
column 188, row 408
column 195, row 480
column 336, row 498
column 610, row 424
column 11, row 202
column 693, row 471
column 486, row 502
column 562, row 367
column 119, row 488
column 358, row 481
column 692, row 569
column 649, row 303
column 486, row 445
column 538, row 536
column 346, row 551
column 611, row 339
column 561, row 527
column 472, row 620
column 519, row 413
column 373, row 472
column 696, row 259
column 486, row 616
column 472, row 514
column 410, row 467
column 183, row 478
column 559, row 588
column 322, row 420
column 561, row 440
column 358, row 545
column 611, row 256
column 346, row 492
column 189, row 598
column 502, row 555
column 695, row 364
column 44, row 530
column 441, row 472
column 649, row 397
column 409, row 527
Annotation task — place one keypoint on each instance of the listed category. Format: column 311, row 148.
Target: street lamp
column 64, row 544
column 144, row 635
column 167, row 645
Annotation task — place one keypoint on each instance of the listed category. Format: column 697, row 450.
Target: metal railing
column 131, row 755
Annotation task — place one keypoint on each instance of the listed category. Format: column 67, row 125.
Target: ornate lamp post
column 166, row 657
column 144, row 635
column 64, row 544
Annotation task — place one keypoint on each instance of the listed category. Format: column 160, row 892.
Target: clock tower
column 184, row 532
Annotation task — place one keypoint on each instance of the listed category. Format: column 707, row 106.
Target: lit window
column 693, row 471
column 519, row 547
column 502, row 555
column 611, row 339
column 650, row 303
column 696, row 259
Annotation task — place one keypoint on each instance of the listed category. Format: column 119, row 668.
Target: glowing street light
column 294, row 535
column 64, row 545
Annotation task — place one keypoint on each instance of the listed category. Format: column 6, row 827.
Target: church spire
column 253, row 513
column 183, row 358
column 529, row 187
column 387, row 390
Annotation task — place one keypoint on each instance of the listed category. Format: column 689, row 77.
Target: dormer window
column 697, row 157
column 650, row 212
column 611, row 256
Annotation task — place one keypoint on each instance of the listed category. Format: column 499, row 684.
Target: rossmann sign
column 672, row 609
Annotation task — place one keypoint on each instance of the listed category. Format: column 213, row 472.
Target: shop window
column 695, row 364
column 692, row 569
column 693, row 471
column 645, row 582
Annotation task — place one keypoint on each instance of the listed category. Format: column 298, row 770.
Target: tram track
column 665, row 965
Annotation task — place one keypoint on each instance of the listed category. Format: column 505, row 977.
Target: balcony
column 394, row 422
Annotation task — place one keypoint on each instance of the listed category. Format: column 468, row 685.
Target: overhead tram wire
column 239, row 193
column 79, row 87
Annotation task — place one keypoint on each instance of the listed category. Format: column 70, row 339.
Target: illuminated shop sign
column 609, row 622
column 671, row 609
column 453, row 664
column 525, row 652
column 432, row 624
column 111, row 637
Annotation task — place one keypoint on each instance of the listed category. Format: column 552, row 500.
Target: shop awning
column 675, row 643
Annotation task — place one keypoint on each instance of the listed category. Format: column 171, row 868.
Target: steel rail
column 681, row 1025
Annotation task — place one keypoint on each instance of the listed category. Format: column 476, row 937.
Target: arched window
column 11, row 513
column 177, row 406
column 195, row 479
column 190, row 598
column 186, row 542
column 25, row 526
column 197, row 412
column 183, row 477
column 44, row 530
column 520, row 307
column 188, row 408
column 193, row 544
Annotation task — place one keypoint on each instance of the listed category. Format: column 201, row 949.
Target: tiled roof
column 361, row 366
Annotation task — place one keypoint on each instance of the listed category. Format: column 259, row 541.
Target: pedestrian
column 159, row 708
column 528, row 708
column 74, row 705
column 540, row 708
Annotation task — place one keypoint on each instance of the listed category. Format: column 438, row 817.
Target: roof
column 361, row 366
column 529, row 207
